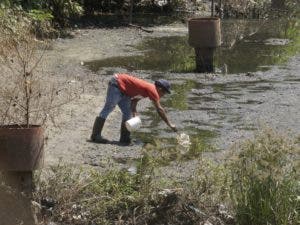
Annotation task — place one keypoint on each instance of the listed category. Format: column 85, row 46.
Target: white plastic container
column 134, row 123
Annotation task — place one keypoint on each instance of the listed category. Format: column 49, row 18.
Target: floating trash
column 183, row 140
column 132, row 170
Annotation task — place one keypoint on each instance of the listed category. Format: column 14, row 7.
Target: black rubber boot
column 125, row 135
column 97, row 129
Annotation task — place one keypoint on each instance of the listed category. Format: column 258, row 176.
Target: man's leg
column 97, row 129
column 125, row 106
column 112, row 98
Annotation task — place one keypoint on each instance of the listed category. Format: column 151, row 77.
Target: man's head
column 163, row 85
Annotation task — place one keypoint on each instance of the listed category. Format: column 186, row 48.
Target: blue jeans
column 115, row 97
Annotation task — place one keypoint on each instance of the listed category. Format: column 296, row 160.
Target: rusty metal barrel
column 204, row 32
column 21, row 148
column 21, row 152
column 204, row 36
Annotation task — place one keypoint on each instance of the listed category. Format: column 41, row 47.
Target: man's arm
column 163, row 115
column 134, row 102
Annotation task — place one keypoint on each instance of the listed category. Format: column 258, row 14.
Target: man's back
column 133, row 86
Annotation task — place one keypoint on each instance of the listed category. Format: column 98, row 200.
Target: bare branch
column 20, row 59
column 39, row 60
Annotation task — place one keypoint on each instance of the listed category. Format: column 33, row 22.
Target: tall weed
column 265, row 182
column 81, row 196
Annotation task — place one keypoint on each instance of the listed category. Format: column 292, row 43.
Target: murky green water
column 248, row 46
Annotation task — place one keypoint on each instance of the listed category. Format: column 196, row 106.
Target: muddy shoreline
column 68, row 143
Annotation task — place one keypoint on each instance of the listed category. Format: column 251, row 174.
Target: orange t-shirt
column 133, row 86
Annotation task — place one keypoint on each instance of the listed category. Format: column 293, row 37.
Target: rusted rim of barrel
column 204, row 18
column 21, row 129
column 21, row 147
column 19, row 126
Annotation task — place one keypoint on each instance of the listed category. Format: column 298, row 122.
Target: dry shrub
column 118, row 197
column 29, row 96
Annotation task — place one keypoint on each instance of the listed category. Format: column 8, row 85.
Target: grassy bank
column 257, row 184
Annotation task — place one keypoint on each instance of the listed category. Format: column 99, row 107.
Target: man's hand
column 173, row 127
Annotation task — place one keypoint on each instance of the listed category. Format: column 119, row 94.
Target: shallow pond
column 247, row 46
column 257, row 81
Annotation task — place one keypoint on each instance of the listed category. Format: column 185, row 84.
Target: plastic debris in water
column 132, row 170
column 183, row 140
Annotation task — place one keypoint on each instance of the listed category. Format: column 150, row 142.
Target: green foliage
column 98, row 198
column 42, row 23
column 60, row 11
column 119, row 194
column 5, row 3
column 293, row 7
column 9, row 3
column 264, row 181
column 40, row 15
column 64, row 10
column 38, row 21
column 210, row 183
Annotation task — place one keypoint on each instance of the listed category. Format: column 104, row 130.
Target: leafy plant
column 41, row 21
column 40, row 15
column 64, row 10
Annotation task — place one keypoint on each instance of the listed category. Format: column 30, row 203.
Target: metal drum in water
column 204, row 32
